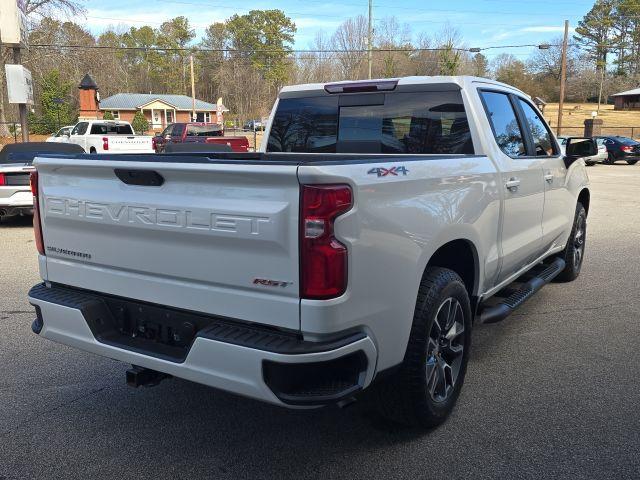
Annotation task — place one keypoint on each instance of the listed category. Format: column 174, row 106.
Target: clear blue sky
column 481, row 23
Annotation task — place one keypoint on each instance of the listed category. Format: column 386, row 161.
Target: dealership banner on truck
column 13, row 22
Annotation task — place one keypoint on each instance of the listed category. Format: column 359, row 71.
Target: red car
column 198, row 132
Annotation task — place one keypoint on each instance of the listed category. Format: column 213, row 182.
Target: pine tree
column 108, row 116
column 139, row 123
column 595, row 31
column 53, row 113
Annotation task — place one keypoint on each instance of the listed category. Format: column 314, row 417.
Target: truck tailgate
column 213, row 238
column 130, row 143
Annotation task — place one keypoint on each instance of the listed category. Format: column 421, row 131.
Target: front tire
column 425, row 389
column 573, row 253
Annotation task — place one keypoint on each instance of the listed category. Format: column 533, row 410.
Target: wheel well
column 584, row 198
column 461, row 257
column 92, row 150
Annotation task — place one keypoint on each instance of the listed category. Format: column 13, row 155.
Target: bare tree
column 351, row 40
column 48, row 7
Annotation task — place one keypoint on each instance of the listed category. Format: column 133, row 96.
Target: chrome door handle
column 549, row 177
column 512, row 184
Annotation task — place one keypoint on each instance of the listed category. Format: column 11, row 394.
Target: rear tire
column 632, row 162
column 573, row 253
column 425, row 389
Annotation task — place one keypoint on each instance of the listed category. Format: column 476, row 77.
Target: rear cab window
column 111, row 129
column 395, row 123
column 204, row 131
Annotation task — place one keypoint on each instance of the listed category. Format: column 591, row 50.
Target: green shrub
column 139, row 123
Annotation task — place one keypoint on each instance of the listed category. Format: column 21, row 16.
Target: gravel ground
column 551, row 392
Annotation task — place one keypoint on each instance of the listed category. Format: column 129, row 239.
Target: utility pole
column 370, row 36
column 602, row 69
column 193, row 91
column 22, row 107
column 563, row 75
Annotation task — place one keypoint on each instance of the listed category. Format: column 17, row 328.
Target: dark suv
column 620, row 148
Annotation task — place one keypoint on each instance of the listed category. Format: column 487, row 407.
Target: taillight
column 3, row 179
column 105, row 143
column 626, row 148
column 154, row 142
column 37, row 228
column 323, row 259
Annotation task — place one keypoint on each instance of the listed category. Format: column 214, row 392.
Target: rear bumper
column 244, row 359
column 16, row 197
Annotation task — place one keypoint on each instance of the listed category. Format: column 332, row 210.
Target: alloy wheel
column 578, row 241
column 445, row 349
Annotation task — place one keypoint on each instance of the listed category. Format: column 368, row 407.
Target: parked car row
column 196, row 132
column 611, row 148
column 110, row 136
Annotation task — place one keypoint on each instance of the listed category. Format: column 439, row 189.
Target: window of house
column 203, row 117
column 504, row 122
column 169, row 116
column 116, row 114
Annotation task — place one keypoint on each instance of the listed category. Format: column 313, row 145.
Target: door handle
column 549, row 177
column 512, row 184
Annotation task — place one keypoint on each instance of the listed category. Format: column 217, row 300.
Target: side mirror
column 579, row 147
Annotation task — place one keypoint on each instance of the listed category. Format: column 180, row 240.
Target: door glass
column 542, row 142
column 505, row 124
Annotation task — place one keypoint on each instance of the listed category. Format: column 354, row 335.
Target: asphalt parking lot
column 551, row 392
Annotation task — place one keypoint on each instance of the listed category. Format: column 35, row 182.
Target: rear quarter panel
column 395, row 226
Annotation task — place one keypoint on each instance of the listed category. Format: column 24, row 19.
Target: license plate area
column 152, row 330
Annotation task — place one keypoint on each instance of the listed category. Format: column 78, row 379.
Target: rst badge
column 393, row 171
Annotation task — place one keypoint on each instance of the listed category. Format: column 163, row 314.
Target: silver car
column 15, row 169
column 600, row 157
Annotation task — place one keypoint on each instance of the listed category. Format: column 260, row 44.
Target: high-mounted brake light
column 323, row 259
column 37, row 227
column 105, row 143
column 3, row 179
column 357, row 87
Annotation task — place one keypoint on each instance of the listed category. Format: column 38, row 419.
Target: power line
column 289, row 51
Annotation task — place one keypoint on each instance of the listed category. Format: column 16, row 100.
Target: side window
column 167, row 131
column 98, row 129
column 505, row 123
column 178, row 129
column 542, row 142
column 80, row 128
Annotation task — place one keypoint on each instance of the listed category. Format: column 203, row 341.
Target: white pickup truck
column 383, row 220
column 109, row 136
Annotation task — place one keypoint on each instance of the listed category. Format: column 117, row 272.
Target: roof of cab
column 460, row 81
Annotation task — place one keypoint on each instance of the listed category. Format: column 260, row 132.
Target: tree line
column 247, row 58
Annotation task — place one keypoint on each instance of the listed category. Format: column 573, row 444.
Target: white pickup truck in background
column 108, row 136
column 382, row 220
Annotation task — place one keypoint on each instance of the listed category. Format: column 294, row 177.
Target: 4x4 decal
column 383, row 172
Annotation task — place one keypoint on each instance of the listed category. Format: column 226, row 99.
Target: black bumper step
column 167, row 332
column 532, row 282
